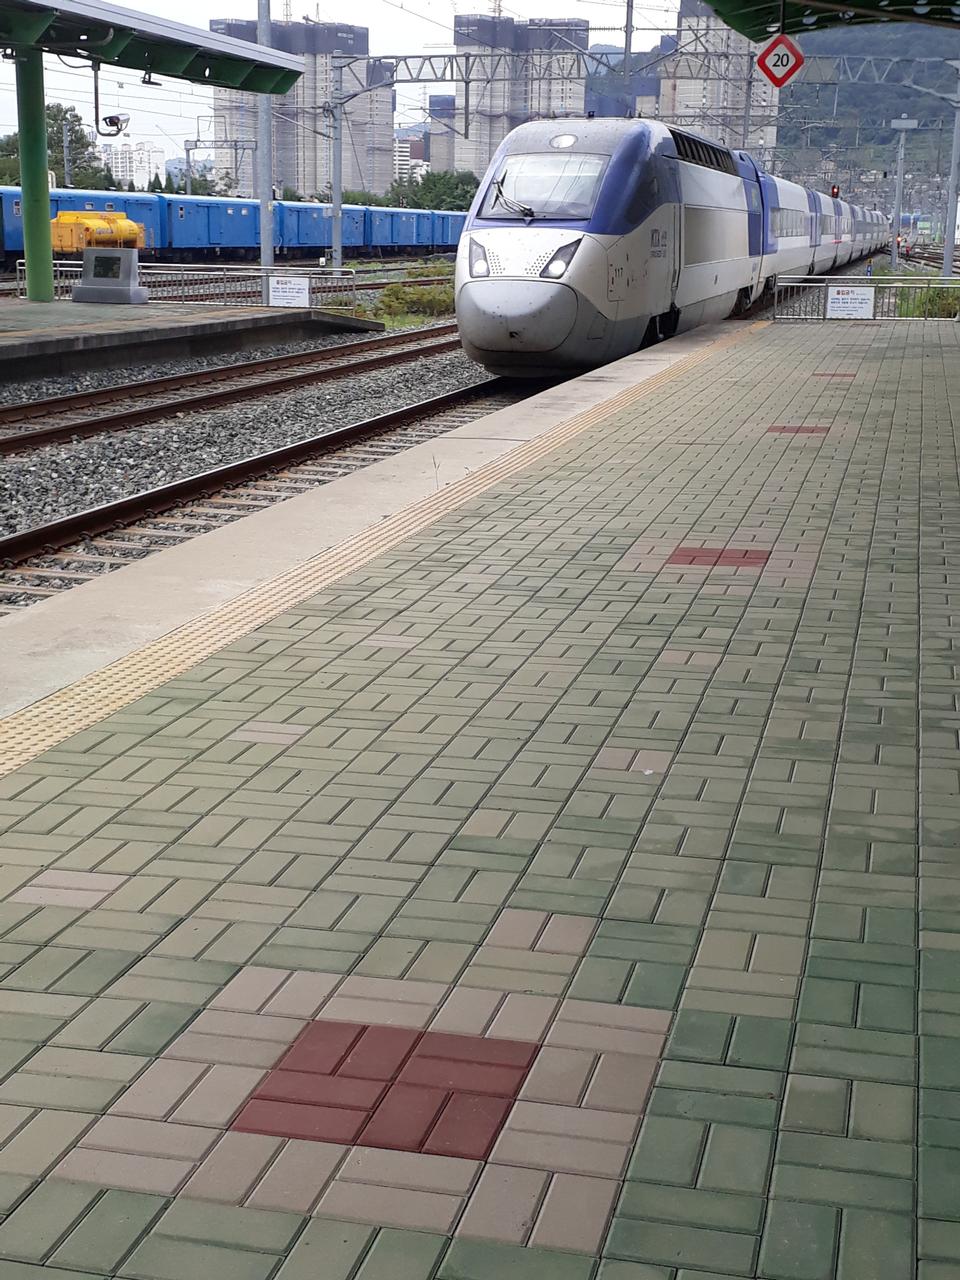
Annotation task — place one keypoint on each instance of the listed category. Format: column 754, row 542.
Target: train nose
column 516, row 315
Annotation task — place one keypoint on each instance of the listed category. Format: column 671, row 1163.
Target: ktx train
column 199, row 228
column 590, row 238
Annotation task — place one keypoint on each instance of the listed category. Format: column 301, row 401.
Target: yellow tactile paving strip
column 50, row 721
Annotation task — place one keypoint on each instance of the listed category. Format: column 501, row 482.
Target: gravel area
column 47, row 483
column 62, row 384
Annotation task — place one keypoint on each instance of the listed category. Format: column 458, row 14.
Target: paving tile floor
column 541, row 901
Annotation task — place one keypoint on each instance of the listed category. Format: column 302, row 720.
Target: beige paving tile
column 467, row 1012
column 629, row 1017
column 125, row 1171
column 149, row 1137
column 42, row 1141
column 389, row 1013
column 155, row 1093
column 575, row 1122
column 504, row 1204
column 85, row 899
column 574, row 1214
column 247, row 1026
column 621, row 1082
column 560, row 1154
column 584, row 1035
column 389, row 1206
column 302, row 995
column 559, row 1075
column 226, row 1050
column 406, row 990
column 218, row 1096
column 85, row 1062
column 250, row 989
column 408, row 1169
column 232, row 1169
column 523, row 1017
column 516, row 927
column 569, row 935
column 295, row 1180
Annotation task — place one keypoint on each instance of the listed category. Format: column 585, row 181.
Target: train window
column 16, row 208
column 109, row 206
column 181, row 211
column 695, row 151
column 230, row 210
column 244, row 211
column 554, row 185
column 88, row 205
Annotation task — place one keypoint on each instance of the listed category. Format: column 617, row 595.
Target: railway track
column 66, row 552
column 133, row 404
column 251, row 293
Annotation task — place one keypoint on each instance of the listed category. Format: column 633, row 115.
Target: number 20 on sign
column 780, row 60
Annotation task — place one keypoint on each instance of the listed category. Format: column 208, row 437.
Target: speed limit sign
column 780, row 61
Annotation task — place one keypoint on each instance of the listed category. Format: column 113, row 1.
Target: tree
column 155, row 184
column 351, row 196
column 86, row 166
column 130, row 186
column 447, row 189
column 168, row 185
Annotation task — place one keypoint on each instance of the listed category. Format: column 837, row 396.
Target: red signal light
column 835, row 192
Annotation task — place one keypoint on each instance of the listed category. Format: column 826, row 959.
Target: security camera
column 118, row 122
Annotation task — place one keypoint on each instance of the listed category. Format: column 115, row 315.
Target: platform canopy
column 761, row 19
column 123, row 38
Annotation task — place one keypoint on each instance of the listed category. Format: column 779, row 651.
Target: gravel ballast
column 58, row 480
column 64, row 384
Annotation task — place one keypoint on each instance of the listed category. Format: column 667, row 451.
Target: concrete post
column 898, row 204
column 337, row 176
column 67, row 166
column 265, row 152
column 950, row 218
column 32, row 119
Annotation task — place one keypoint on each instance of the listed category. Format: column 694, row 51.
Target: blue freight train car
column 188, row 228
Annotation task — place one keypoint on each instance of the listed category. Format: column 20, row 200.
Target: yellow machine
column 84, row 229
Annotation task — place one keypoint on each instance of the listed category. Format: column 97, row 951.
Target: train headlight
column 558, row 264
column 479, row 266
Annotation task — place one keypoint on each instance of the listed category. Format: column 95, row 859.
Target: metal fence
column 326, row 288
column 913, row 297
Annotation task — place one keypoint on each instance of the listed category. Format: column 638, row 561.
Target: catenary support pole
column 628, row 57
column 32, row 119
column 950, row 215
column 898, row 202
column 337, row 176
column 265, row 153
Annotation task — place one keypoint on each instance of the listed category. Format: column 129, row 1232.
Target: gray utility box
column 110, row 275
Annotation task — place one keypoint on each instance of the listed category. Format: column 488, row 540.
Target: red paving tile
column 379, row 1053
column 290, row 1120
column 448, row 1094
column 323, row 1091
column 468, row 1126
column 322, row 1047
column 404, row 1118
column 728, row 557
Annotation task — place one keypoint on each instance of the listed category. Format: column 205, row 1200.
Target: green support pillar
column 32, row 121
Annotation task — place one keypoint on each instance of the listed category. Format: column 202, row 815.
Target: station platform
column 52, row 337
column 504, row 863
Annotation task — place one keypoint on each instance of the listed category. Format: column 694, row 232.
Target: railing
column 907, row 297
column 326, row 288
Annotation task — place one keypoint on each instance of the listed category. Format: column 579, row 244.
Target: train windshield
column 544, row 186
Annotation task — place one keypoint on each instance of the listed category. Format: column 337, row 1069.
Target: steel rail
column 17, row 547
column 139, row 415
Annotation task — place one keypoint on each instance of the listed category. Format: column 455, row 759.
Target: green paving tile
column 725, row 1252
column 691, row 1206
column 109, row 1231
column 161, row 1258
column 402, row 1255
column 473, row 1260
column 876, row 1244
column 799, row 1241
column 43, row 1219
column 223, row 1224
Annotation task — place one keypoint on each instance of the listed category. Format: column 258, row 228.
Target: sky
column 163, row 116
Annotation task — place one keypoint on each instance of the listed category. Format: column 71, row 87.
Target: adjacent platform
column 43, row 338
column 526, row 884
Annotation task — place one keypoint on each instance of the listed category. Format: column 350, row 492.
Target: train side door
column 677, row 244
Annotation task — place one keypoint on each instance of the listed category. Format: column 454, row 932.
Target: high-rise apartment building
column 712, row 84
column 302, row 134
column 541, row 77
column 132, row 162
column 440, row 135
